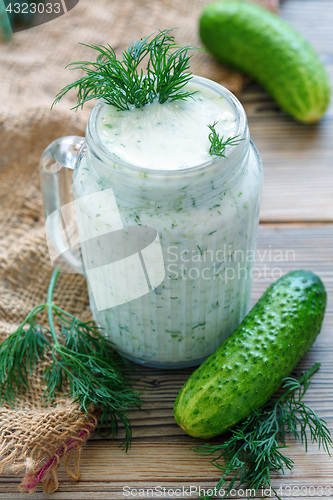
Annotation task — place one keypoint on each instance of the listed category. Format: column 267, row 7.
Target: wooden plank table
column 297, row 219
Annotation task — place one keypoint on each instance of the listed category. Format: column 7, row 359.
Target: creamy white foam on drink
column 171, row 135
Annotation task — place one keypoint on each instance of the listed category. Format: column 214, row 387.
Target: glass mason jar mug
column 168, row 254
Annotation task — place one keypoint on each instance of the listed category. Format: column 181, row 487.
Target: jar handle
column 56, row 164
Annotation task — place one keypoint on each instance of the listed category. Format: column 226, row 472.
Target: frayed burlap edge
column 41, row 441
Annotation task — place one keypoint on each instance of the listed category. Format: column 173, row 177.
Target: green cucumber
column 267, row 48
column 248, row 367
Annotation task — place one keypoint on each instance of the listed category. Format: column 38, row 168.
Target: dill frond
column 79, row 357
column 122, row 84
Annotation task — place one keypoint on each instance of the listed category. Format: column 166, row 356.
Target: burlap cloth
column 34, row 439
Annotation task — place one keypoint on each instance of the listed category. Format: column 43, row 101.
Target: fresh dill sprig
column 79, row 358
column 217, row 143
column 253, row 450
column 122, row 84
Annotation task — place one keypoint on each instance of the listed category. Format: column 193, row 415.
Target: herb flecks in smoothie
column 207, row 233
column 148, row 155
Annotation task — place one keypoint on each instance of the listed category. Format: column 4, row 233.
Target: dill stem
column 308, row 374
column 62, row 311
column 50, row 305
column 36, row 310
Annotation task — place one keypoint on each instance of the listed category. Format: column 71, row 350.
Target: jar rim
column 109, row 159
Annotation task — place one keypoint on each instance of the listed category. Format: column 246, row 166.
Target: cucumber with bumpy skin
column 248, row 367
column 264, row 46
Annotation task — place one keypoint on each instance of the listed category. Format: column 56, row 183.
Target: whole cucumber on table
column 267, row 48
column 248, row 367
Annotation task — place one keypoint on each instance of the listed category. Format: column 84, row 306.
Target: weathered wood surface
column 160, row 453
column 297, row 211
